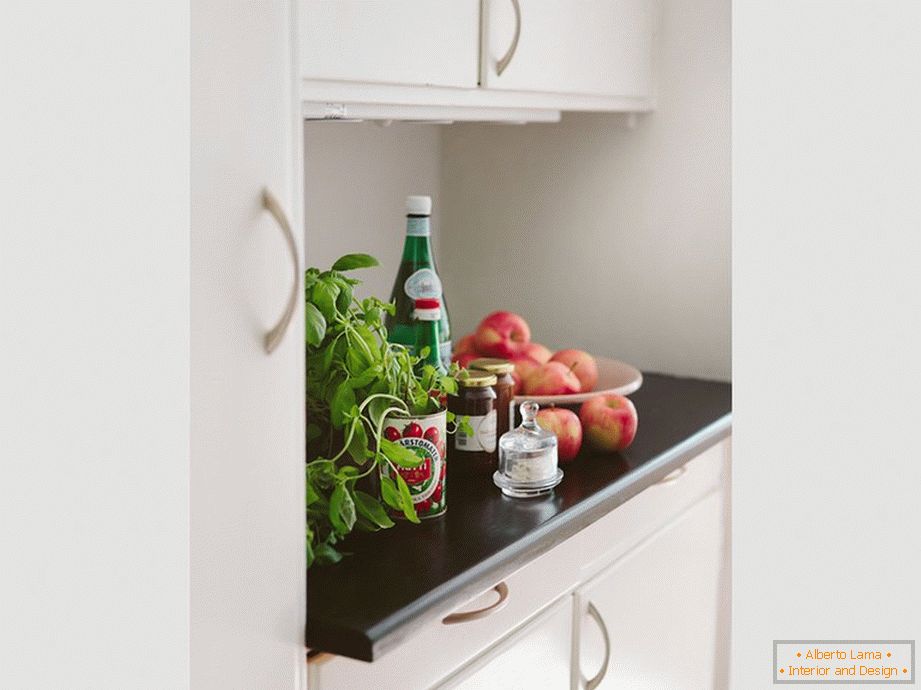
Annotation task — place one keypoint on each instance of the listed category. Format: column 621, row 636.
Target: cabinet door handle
column 673, row 476
column 510, row 53
column 501, row 589
column 594, row 682
column 274, row 337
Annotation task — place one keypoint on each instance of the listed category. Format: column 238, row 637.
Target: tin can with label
column 426, row 436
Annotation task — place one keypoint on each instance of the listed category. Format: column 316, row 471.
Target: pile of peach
column 538, row 371
column 609, row 420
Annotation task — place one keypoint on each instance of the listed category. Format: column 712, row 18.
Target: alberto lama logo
column 844, row 661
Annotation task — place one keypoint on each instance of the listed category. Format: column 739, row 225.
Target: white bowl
column 614, row 376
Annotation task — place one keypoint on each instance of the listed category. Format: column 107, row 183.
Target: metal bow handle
column 595, row 681
column 501, row 589
column 274, row 337
column 673, row 476
column 510, row 53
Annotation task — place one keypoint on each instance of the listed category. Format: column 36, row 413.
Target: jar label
column 423, row 284
column 484, row 434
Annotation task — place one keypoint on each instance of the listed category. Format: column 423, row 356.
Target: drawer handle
column 510, row 53
column 274, row 337
column 501, row 589
column 674, row 476
column 594, row 682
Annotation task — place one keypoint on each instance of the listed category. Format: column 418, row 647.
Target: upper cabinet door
column 590, row 48
column 414, row 42
column 247, row 404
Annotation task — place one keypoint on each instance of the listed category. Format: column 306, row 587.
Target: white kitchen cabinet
column 594, row 47
column 537, row 657
column 247, row 405
column 415, row 42
column 651, row 621
column 420, row 60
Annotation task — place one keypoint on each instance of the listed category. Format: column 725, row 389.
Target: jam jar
column 474, row 453
column 505, row 389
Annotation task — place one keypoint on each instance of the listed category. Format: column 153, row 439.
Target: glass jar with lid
column 473, row 449
column 505, row 389
column 528, row 458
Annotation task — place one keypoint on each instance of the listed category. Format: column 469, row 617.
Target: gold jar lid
column 474, row 378
column 493, row 365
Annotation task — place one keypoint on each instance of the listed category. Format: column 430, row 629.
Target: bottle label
column 418, row 227
column 484, row 434
column 423, row 284
column 445, row 350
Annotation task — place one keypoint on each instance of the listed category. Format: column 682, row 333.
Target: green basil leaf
column 312, row 495
column 310, row 555
column 341, row 405
column 390, row 493
column 344, row 298
column 327, row 555
column 363, row 524
column 325, row 360
column 406, row 502
column 371, row 509
column 371, row 340
column 400, row 455
column 358, row 447
column 324, row 296
column 316, row 325
column 342, row 510
column 352, row 261
column 376, row 409
column 357, row 360
column 365, row 377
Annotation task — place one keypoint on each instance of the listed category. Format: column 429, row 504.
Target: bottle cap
column 472, row 378
column 428, row 303
column 492, row 365
column 419, row 205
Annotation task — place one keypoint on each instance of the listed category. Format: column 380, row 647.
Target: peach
column 465, row 346
column 552, row 378
column 502, row 334
column 567, row 427
column 582, row 365
column 539, row 353
column 609, row 421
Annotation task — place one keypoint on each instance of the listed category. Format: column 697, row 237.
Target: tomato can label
column 424, row 436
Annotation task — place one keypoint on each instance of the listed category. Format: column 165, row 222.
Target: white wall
column 608, row 238
column 357, row 176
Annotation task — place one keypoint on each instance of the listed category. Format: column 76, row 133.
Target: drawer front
column 537, row 657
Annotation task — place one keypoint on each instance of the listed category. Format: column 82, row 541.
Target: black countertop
column 365, row 604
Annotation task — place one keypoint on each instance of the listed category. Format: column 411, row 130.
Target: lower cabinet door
column 651, row 619
column 535, row 657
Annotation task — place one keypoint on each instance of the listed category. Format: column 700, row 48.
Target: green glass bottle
column 418, row 279
column 427, row 314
